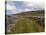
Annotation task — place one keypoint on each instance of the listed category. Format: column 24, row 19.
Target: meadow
column 25, row 22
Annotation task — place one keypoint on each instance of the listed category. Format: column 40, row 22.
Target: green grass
column 26, row 25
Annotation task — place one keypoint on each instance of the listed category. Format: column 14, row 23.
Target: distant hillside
column 30, row 13
column 37, row 11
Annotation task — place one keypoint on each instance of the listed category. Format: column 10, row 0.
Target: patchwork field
column 26, row 22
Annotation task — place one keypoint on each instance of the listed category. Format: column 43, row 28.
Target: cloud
column 26, row 6
column 39, row 1
column 29, row 5
column 16, row 0
column 26, row 9
column 27, row 0
column 10, row 7
column 36, row 5
column 20, row 9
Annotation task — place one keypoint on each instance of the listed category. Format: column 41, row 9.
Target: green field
column 25, row 23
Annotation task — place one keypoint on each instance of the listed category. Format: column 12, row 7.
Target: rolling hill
column 25, row 22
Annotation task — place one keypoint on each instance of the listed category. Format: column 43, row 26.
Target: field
column 26, row 22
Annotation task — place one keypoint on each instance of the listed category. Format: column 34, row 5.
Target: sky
column 14, row 7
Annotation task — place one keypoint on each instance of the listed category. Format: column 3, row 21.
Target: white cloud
column 20, row 9
column 27, row 0
column 16, row 0
column 26, row 9
column 29, row 5
column 35, row 1
column 10, row 7
column 35, row 4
